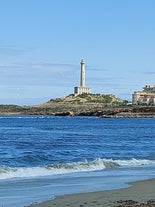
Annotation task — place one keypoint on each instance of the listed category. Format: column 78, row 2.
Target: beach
column 140, row 193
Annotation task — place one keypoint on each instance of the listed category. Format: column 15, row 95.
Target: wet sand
column 141, row 193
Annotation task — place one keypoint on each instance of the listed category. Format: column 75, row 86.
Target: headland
column 99, row 105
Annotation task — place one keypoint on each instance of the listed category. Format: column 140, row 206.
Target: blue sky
column 43, row 41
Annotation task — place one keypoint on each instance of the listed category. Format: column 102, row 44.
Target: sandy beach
column 140, row 193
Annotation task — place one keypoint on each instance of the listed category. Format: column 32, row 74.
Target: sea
column 42, row 157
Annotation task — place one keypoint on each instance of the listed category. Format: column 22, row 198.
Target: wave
column 25, row 116
column 74, row 167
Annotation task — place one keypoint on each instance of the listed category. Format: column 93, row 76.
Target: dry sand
column 141, row 193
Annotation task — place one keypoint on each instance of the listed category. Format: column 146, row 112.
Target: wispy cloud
column 36, row 73
column 96, row 68
column 30, row 67
column 149, row 72
column 106, row 80
column 11, row 50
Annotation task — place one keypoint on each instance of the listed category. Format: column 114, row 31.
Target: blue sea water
column 45, row 156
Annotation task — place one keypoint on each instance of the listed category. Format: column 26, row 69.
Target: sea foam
column 58, row 169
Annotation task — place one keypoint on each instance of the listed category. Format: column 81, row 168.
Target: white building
column 82, row 88
column 145, row 97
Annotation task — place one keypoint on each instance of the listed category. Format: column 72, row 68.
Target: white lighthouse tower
column 82, row 88
column 83, row 78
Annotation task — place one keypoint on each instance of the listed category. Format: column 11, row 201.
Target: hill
column 82, row 103
column 69, row 104
column 100, row 105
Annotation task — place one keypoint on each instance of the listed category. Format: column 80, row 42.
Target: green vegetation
column 77, row 104
column 88, row 98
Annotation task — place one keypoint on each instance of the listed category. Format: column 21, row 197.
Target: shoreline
column 136, row 194
column 67, row 108
column 85, row 114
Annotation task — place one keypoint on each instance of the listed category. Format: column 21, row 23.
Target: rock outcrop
column 99, row 105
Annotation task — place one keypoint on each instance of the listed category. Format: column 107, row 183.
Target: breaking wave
column 58, row 169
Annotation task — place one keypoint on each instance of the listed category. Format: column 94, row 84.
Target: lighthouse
column 83, row 81
column 82, row 88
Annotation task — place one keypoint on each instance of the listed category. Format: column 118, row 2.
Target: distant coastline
column 99, row 105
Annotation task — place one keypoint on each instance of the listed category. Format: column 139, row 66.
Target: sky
column 43, row 41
